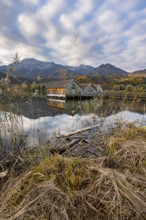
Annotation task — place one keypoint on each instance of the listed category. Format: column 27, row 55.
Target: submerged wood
column 79, row 131
column 60, row 150
column 72, row 141
column 3, row 174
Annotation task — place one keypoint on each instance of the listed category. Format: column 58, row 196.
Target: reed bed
column 56, row 187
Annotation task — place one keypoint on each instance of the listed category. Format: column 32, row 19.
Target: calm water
column 41, row 119
column 34, row 108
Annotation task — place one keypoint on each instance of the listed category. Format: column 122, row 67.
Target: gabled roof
column 85, row 85
column 59, row 84
column 97, row 86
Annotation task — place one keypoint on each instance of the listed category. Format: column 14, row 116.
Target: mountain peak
column 106, row 65
column 82, row 65
column 29, row 61
column 30, row 68
column 106, row 69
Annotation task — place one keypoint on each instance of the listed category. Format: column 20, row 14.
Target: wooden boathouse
column 71, row 89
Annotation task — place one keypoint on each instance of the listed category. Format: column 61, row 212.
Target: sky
column 74, row 32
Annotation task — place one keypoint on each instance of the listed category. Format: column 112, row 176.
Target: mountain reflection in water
column 42, row 129
column 34, row 107
column 41, row 120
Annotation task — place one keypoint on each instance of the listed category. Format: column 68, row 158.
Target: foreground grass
column 73, row 188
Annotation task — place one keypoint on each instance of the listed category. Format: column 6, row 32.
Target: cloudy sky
column 75, row 32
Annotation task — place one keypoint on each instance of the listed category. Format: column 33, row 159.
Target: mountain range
column 140, row 73
column 32, row 69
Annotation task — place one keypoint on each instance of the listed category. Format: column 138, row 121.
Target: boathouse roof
column 59, row 84
column 85, row 85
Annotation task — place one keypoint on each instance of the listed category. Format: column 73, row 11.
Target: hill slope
column 139, row 73
column 107, row 69
column 14, row 79
column 32, row 68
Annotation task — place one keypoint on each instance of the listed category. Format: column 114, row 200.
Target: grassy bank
column 125, row 95
column 110, row 186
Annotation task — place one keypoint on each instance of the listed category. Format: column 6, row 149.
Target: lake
column 41, row 119
column 35, row 107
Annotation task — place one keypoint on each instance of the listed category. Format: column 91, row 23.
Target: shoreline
column 110, row 177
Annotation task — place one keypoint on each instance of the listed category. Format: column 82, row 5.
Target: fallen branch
column 3, row 174
column 79, row 131
column 61, row 150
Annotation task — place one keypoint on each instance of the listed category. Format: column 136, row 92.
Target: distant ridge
column 31, row 68
column 139, row 73
column 107, row 69
column 14, row 80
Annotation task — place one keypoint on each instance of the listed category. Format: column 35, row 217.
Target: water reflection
column 40, row 130
column 55, row 103
column 40, row 119
column 34, row 108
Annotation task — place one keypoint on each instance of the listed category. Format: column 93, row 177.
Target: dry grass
column 129, row 156
column 126, row 150
column 108, row 188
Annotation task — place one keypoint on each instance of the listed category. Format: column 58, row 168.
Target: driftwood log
column 61, row 149
column 3, row 174
column 79, row 131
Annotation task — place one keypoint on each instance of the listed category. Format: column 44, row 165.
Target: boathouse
column 64, row 89
column 99, row 90
column 71, row 89
column 88, row 90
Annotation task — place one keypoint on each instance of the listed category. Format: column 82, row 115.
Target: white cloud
column 31, row 2
column 28, row 25
column 8, row 3
column 74, row 32
column 67, row 22
column 49, row 10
